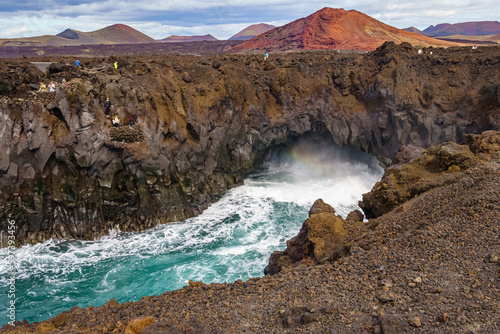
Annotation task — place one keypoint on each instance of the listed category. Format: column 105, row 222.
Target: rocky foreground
column 428, row 263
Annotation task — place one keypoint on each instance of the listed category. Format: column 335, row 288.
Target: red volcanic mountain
column 114, row 34
column 181, row 39
column 331, row 28
column 466, row 28
column 252, row 31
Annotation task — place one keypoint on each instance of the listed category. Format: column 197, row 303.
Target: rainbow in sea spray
column 322, row 170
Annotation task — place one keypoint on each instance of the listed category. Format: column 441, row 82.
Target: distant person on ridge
column 266, row 55
column 77, row 64
column 115, row 65
column 52, row 86
column 107, row 107
column 131, row 120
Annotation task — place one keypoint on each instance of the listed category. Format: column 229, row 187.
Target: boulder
column 407, row 153
column 320, row 239
column 487, row 142
column 355, row 216
column 136, row 326
column 45, row 327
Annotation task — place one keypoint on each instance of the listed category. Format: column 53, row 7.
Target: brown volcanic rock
column 331, row 28
column 320, row 239
column 437, row 166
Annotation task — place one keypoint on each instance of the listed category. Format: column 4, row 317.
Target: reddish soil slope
column 182, row 39
column 466, row 28
column 252, row 31
column 331, row 28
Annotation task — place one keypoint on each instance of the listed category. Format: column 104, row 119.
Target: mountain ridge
column 465, row 28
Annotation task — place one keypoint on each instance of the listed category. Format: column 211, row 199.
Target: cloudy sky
column 222, row 19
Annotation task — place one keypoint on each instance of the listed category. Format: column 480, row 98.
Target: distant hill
column 433, row 29
column 252, row 31
column 114, row 34
column 331, row 28
column 466, row 28
column 184, row 39
column 413, row 29
column 480, row 39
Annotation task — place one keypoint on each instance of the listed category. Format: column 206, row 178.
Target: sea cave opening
column 231, row 240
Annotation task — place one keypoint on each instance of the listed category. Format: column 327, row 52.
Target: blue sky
column 222, row 19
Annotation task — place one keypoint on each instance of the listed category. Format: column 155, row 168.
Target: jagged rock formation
column 209, row 121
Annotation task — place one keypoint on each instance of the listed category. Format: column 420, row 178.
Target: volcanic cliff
column 204, row 123
column 428, row 265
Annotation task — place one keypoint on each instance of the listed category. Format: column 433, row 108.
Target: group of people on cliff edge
column 115, row 121
column 51, row 87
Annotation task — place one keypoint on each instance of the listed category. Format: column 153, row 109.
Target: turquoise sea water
column 231, row 240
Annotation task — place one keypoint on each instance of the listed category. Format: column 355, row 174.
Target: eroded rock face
column 320, row 239
column 63, row 175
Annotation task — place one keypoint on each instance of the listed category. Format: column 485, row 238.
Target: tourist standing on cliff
column 77, row 64
column 115, row 121
column 266, row 55
column 52, row 86
column 115, row 65
column 107, row 107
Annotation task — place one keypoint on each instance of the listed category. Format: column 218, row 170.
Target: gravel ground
column 429, row 266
